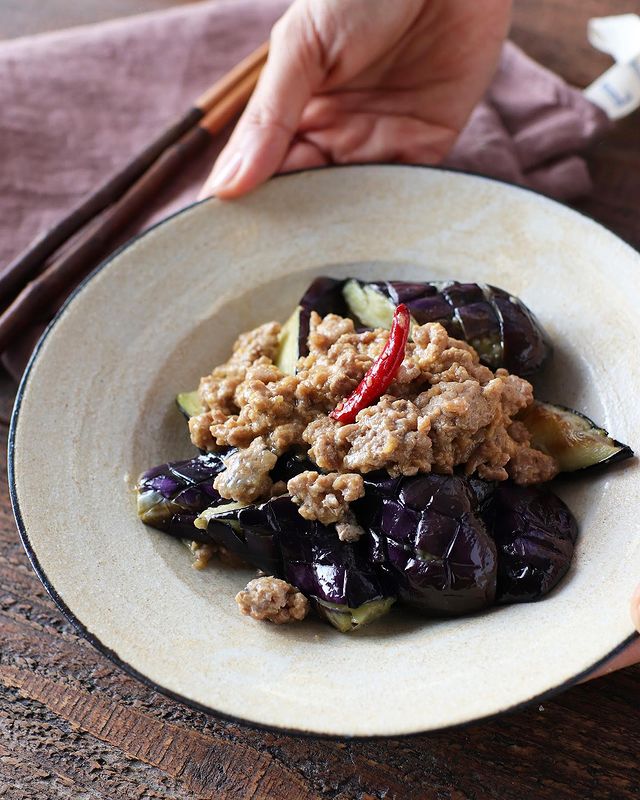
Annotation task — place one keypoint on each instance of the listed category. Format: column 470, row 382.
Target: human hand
column 360, row 81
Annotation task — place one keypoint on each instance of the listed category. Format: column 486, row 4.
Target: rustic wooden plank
column 507, row 749
column 203, row 763
column 43, row 756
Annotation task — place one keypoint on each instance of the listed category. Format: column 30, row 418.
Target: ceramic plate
column 97, row 406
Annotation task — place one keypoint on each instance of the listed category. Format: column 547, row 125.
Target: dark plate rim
column 128, row 668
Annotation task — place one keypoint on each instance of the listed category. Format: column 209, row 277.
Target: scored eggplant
column 497, row 325
column 170, row 496
column 425, row 534
column 574, row 440
column 535, row 534
column 342, row 585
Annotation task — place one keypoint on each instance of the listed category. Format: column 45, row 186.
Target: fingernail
column 221, row 176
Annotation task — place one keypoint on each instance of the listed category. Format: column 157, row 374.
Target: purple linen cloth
column 77, row 104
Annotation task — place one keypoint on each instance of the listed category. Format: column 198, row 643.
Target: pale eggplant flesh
column 575, row 441
column 189, row 404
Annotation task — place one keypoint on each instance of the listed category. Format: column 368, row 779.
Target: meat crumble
column 325, row 497
column 216, row 391
column 272, row 599
column 444, row 410
column 246, row 477
column 204, row 553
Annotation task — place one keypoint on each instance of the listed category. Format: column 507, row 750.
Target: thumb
column 264, row 133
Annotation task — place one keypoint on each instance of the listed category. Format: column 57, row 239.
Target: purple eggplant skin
column 324, row 296
column 425, row 535
column 526, row 346
column 170, row 496
column 535, row 533
column 500, row 327
column 342, row 584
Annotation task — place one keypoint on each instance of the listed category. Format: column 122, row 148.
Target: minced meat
column 325, row 497
column 392, row 435
column 246, row 477
column 443, row 410
column 217, row 391
column 272, row 599
column 348, row 529
column 205, row 552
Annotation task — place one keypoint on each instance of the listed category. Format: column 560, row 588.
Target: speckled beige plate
column 97, row 407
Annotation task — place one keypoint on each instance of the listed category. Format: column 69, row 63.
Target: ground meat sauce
column 246, row 475
column 444, row 410
column 217, row 390
column 325, row 497
column 272, row 599
column 205, row 552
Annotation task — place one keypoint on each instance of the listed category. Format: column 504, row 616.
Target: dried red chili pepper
column 381, row 373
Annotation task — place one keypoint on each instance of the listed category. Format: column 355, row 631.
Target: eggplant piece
column 369, row 303
column 288, row 347
column 427, row 537
column 323, row 296
column 535, row 533
column 189, row 403
column 525, row 345
column 337, row 577
column 499, row 326
column 574, row 440
column 170, row 496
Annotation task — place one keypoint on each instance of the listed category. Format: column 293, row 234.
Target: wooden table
column 72, row 725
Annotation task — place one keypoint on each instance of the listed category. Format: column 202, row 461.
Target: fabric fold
column 75, row 105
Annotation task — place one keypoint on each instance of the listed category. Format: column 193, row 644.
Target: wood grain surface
column 72, row 725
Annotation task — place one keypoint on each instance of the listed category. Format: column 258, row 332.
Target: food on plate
column 574, row 440
column 380, row 448
column 272, row 599
column 497, row 325
column 341, row 582
column 534, row 533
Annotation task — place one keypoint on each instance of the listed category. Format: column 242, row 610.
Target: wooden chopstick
column 63, row 273
column 30, row 261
